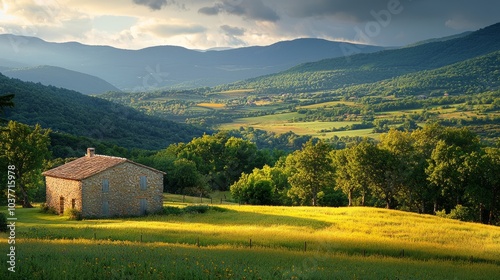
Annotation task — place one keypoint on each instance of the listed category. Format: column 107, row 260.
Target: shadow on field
column 234, row 217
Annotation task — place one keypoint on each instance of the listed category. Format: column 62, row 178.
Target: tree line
column 434, row 170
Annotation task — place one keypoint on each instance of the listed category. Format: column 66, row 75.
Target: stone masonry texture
column 123, row 197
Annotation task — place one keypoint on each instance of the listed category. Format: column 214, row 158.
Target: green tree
column 26, row 149
column 485, row 190
column 240, row 156
column 345, row 173
column 267, row 185
column 491, row 164
column 253, row 188
column 312, row 172
column 381, row 173
column 5, row 101
column 185, row 178
column 426, row 194
column 448, row 165
column 208, row 154
column 220, row 158
column 403, row 166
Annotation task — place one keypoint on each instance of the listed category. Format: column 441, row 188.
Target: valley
column 351, row 96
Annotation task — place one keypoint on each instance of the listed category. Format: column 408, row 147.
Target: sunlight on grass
column 211, row 105
column 360, row 236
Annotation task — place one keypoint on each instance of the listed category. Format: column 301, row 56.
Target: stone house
column 104, row 186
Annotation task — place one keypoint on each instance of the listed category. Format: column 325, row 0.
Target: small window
column 105, row 208
column 73, row 203
column 61, row 205
column 105, row 185
column 143, row 182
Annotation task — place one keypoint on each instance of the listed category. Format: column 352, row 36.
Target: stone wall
column 124, row 195
column 67, row 189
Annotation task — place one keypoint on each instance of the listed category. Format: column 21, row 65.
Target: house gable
column 69, row 190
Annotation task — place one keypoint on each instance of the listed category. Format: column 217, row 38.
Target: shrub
column 253, row 190
column 172, row 210
column 442, row 214
column 44, row 208
column 333, row 198
column 193, row 209
column 196, row 209
column 3, row 222
column 460, row 212
column 73, row 214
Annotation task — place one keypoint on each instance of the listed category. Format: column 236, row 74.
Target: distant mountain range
column 338, row 73
column 165, row 66
column 60, row 77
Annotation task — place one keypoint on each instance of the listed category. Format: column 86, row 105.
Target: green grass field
column 282, row 123
column 254, row 242
column 328, row 104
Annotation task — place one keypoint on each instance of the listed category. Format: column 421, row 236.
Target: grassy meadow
column 285, row 122
column 230, row 241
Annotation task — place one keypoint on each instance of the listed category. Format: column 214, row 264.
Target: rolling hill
column 81, row 115
column 368, row 68
column 170, row 66
column 471, row 76
column 60, row 77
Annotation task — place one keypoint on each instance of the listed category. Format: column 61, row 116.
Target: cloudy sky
column 203, row 24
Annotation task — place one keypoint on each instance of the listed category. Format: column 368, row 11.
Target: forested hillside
column 468, row 77
column 368, row 68
column 72, row 112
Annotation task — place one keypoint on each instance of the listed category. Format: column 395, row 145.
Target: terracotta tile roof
column 86, row 166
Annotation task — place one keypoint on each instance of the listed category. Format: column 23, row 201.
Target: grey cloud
column 210, row 11
column 479, row 12
column 232, row 31
column 153, row 4
column 252, row 9
column 357, row 10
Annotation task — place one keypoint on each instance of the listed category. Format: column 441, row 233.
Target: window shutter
column 105, row 185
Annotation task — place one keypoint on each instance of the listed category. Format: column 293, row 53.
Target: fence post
column 305, row 246
column 250, row 242
column 95, row 236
